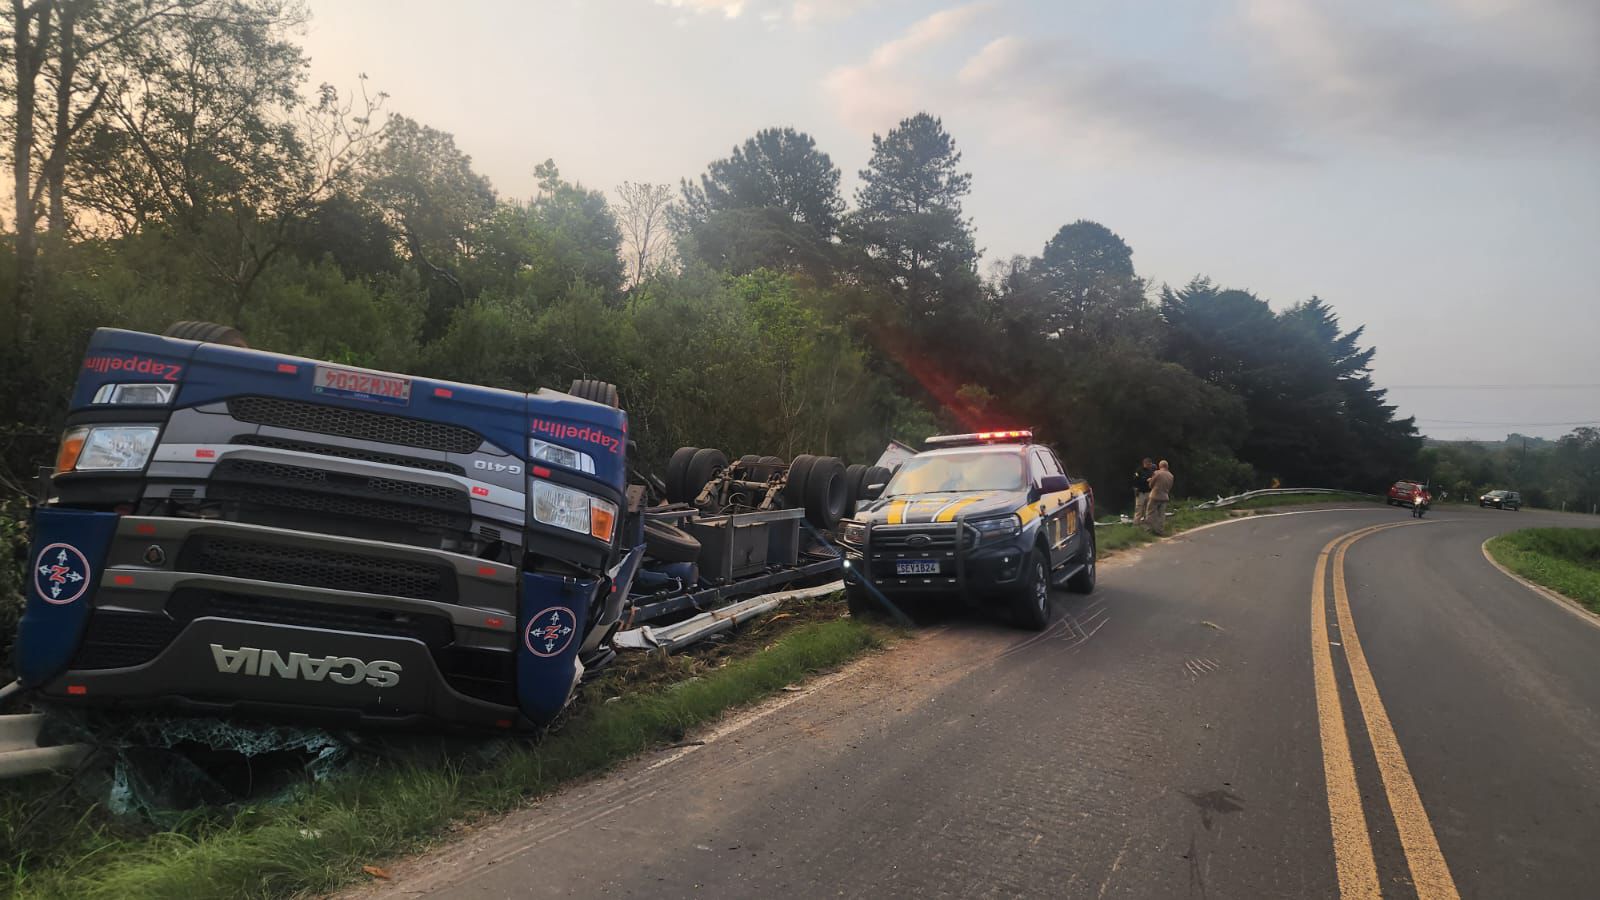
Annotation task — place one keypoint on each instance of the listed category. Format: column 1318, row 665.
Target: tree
column 542, row 249
column 909, row 223
column 428, row 193
column 642, row 211
column 772, row 203
column 1087, row 279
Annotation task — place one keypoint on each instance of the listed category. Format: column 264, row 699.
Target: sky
column 1430, row 168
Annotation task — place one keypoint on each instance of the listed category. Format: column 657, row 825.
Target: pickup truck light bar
column 980, row 437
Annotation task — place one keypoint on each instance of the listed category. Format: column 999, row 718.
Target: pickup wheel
column 669, row 543
column 599, row 391
column 1083, row 582
column 703, row 466
column 862, row 604
column 1031, row 604
column 207, row 332
column 676, row 467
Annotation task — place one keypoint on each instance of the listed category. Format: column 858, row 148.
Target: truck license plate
column 916, row 567
column 359, row 385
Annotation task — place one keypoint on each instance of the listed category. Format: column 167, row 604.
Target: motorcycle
column 1419, row 506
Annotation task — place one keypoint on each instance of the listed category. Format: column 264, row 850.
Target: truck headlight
column 1002, row 527
column 106, row 448
column 557, row 455
column 852, row 532
column 574, row 510
column 135, row 394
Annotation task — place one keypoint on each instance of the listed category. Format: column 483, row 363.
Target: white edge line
column 1559, row 599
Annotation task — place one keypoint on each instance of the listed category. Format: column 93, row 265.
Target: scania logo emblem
column 918, row 540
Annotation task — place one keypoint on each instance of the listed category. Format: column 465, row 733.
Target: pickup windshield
column 957, row 473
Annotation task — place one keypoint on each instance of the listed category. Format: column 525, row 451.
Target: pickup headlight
column 106, row 448
column 1002, row 527
column 135, row 394
column 574, row 510
column 557, row 455
column 853, row 532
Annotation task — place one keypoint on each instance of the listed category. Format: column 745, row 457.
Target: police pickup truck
column 991, row 518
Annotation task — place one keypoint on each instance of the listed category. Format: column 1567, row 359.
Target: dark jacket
column 1141, row 479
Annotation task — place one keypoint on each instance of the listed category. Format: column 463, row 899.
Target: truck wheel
column 827, row 493
column 206, row 332
column 855, row 476
column 703, row 466
column 1083, row 582
column 1031, row 604
column 669, row 543
column 794, row 488
column 876, row 475
column 676, row 467
column 599, row 391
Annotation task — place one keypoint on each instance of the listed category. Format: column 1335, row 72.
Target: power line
column 1489, row 387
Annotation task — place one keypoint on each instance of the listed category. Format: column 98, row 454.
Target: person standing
column 1160, row 493
column 1141, row 489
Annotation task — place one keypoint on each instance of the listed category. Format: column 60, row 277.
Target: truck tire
column 876, row 475
column 827, row 493
column 669, row 543
column 794, row 489
column 599, row 391
column 676, row 467
column 855, row 476
column 750, row 459
column 1083, row 582
column 207, row 332
column 1030, row 605
column 703, row 466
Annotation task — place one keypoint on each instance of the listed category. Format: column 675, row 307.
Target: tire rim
column 1041, row 587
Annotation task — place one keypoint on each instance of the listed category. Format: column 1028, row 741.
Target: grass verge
column 1112, row 538
column 1565, row 560
column 321, row 839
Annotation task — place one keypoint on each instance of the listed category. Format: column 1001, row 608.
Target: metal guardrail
column 1273, row 492
column 21, row 755
column 698, row 628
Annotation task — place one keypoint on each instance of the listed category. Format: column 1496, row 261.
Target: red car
column 1401, row 493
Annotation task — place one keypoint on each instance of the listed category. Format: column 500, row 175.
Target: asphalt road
column 1215, row 721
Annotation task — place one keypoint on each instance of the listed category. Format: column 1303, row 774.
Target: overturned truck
column 233, row 532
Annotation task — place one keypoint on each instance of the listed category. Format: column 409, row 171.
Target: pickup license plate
column 358, row 385
column 916, row 567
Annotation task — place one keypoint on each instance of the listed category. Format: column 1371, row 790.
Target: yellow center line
column 1429, row 873
column 1352, row 843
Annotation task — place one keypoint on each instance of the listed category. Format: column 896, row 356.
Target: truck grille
column 116, row 639
column 354, row 423
column 316, row 567
column 187, row 605
column 339, row 494
column 940, row 537
column 356, row 453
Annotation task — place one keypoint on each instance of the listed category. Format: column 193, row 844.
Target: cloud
column 1464, row 73
column 801, row 12
column 877, row 92
column 1052, row 94
column 729, row 8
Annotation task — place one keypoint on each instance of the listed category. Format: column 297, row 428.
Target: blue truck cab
column 235, row 532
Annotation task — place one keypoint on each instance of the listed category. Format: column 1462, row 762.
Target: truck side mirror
column 1053, row 484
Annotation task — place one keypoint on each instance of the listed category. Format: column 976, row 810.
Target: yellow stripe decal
column 1028, row 513
column 948, row 514
column 897, row 512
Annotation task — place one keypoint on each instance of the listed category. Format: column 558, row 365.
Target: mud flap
column 64, row 566
column 554, row 609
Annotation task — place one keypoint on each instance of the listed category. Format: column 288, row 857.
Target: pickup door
column 1061, row 511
